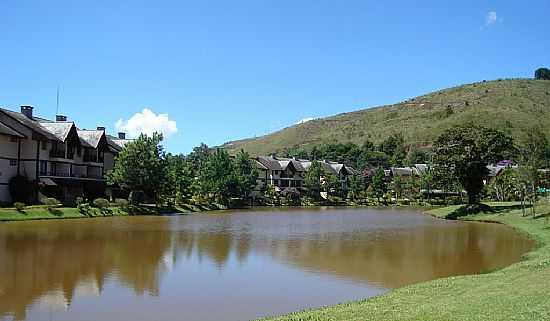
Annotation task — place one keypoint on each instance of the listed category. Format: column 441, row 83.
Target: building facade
column 289, row 173
column 58, row 158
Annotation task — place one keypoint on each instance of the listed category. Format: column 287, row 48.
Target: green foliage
column 20, row 188
column 141, row 166
column 379, row 186
column 417, row 156
column 466, row 150
column 542, row 74
column 179, row 179
column 85, row 209
column 394, row 147
column 505, row 186
column 397, row 186
column 331, row 184
column 356, row 187
column 100, row 203
column 312, row 179
column 51, row 204
column 246, row 174
column 533, row 153
column 19, row 206
column 217, row 178
column 79, row 200
column 121, row 202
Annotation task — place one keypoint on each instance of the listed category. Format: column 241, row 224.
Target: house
column 417, row 170
column 58, row 158
column 289, row 173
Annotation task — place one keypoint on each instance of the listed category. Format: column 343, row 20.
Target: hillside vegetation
column 508, row 105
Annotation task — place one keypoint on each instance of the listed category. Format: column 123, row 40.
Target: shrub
column 85, row 209
column 51, row 203
column 121, row 202
column 101, row 203
column 79, row 200
column 19, row 206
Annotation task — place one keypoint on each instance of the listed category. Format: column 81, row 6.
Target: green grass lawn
column 518, row 292
column 42, row 213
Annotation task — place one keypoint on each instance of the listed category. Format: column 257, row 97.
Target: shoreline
column 514, row 292
column 40, row 212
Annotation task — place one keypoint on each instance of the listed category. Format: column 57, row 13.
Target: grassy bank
column 518, row 292
column 41, row 212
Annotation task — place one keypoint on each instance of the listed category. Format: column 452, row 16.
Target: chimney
column 101, row 128
column 121, row 135
column 60, row 118
column 27, row 111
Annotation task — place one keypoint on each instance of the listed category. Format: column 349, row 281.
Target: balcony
column 61, row 154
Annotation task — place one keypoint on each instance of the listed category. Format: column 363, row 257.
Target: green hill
column 509, row 105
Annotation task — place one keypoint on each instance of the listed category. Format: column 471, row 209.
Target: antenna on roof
column 57, row 102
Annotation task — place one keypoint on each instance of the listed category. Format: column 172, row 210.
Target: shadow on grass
column 472, row 209
column 150, row 209
column 55, row 211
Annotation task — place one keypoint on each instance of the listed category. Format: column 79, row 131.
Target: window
column 13, row 162
column 44, row 145
column 43, row 167
column 13, row 139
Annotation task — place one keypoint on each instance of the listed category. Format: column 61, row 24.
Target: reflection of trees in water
column 61, row 260
column 396, row 258
column 40, row 262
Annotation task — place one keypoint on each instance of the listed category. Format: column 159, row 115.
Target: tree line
column 457, row 161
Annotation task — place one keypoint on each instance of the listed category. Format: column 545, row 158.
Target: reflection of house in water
column 58, row 262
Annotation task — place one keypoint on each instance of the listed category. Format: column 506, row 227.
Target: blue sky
column 234, row 69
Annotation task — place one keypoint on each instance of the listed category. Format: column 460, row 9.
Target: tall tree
column 141, row 166
column 532, row 157
column 542, row 74
column 356, row 186
column 331, row 184
column 179, row 179
column 217, row 177
column 312, row 179
column 466, row 150
column 378, row 184
column 394, row 147
column 246, row 173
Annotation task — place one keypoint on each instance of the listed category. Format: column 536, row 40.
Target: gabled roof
column 270, row 162
column 495, row 170
column 59, row 129
column 5, row 130
column 90, row 138
column 402, row 171
column 421, row 169
column 116, row 143
column 259, row 165
column 32, row 124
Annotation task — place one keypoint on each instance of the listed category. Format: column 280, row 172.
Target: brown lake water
column 230, row 266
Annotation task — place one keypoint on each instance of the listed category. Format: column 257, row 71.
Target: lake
column 233, row 265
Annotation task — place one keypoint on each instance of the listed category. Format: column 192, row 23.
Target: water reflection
column 52, row 263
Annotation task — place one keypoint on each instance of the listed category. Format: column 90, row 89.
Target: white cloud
column 305, row 120
column 491, row 18
column 147, row 122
